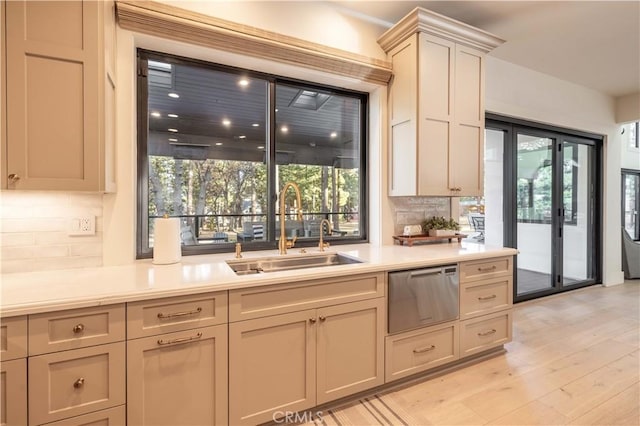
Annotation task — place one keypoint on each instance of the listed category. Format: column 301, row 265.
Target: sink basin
column 287, row 263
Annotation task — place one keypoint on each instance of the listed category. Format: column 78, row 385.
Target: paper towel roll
column 166, row 241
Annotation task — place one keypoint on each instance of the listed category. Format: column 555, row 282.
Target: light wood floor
column 574, row 360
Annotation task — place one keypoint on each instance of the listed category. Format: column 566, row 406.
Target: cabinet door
column 70, row 383
column 350, row 348
column 466, row 165
column 52, row 66
column 178, row 378
column 271, row 366
column 13, row 392
column 403, row 107
column 436, row 89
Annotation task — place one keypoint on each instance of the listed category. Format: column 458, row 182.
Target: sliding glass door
column 631, row 202
column 535, row 191
column 577, row 224
column 551, row 205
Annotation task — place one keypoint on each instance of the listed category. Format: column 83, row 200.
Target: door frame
column 510, row 126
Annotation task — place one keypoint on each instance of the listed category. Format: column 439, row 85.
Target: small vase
column 441, row 232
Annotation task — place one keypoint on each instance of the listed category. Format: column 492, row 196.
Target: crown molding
column 426, row 21
column 178, row 24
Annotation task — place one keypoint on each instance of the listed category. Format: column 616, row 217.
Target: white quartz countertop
column 34, row 292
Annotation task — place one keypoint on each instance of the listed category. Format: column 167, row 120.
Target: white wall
column 516, row 91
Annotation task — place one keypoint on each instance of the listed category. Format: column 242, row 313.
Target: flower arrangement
column 440, row 227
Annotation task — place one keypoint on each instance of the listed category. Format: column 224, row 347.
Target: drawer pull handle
column 322, row 319
column 423, row 350
column 493, row 296
column 78, row 328
column 487, row 269
column 487, row 333
column 312, row 320
column 162, row 342
column 79, row 383
column 179, row 314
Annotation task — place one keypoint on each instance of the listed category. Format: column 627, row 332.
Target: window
column 217, row 144
column 631, row 202
column 633, row 132
column 533, row 187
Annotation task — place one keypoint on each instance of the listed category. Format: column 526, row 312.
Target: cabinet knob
column 13, row 177
column 79, row 383
column 322, row 319
column 78, row 328
column 312, row 320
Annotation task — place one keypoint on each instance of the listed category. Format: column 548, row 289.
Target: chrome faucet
column 322, row 245
column 284, row 244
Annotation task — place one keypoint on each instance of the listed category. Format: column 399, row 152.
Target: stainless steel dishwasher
column 422, row 297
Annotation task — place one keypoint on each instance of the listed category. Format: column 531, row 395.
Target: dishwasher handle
column 421, row 272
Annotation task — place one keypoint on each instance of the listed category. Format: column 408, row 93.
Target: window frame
column 625, row 173
column 142, row 113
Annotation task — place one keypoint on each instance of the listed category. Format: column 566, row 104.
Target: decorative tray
column 401, row 239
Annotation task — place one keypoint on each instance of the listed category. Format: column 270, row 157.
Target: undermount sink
column 287, row 263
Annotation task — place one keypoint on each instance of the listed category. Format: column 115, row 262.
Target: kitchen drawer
column 171, row 314
column 284, row 298
column 110, row 417
column 13, row 338
column 485, row 297
column 485, row 269
column 76, row 328
column 416, row 351
column 71, row 383
column 486, row 332
column 13, row 392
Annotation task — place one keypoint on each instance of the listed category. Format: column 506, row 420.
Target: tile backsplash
column 34, row 231
column 414, row 210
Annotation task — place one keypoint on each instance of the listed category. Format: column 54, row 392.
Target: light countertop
column 34, row 292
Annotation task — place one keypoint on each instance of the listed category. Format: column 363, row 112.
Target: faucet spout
column 285, row 244
column 322, row 245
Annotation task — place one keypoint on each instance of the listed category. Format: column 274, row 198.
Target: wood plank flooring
column 574, row 360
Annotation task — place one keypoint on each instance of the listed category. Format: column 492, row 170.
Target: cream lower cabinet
column 76, row 365
column 294, row 361
column 486, row 301
column 13, row 371
column 178, row 378
column 177, row 361
column 13, row 392
column 70, row 383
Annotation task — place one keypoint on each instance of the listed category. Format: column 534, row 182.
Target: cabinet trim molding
column 426, row 21
column 182, row 25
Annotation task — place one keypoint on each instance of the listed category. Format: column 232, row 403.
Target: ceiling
column 591, row 43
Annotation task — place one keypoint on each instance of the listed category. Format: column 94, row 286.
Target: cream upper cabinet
column 60, row 95
column 436, row 105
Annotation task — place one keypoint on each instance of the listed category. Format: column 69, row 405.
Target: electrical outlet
column 85, row 225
